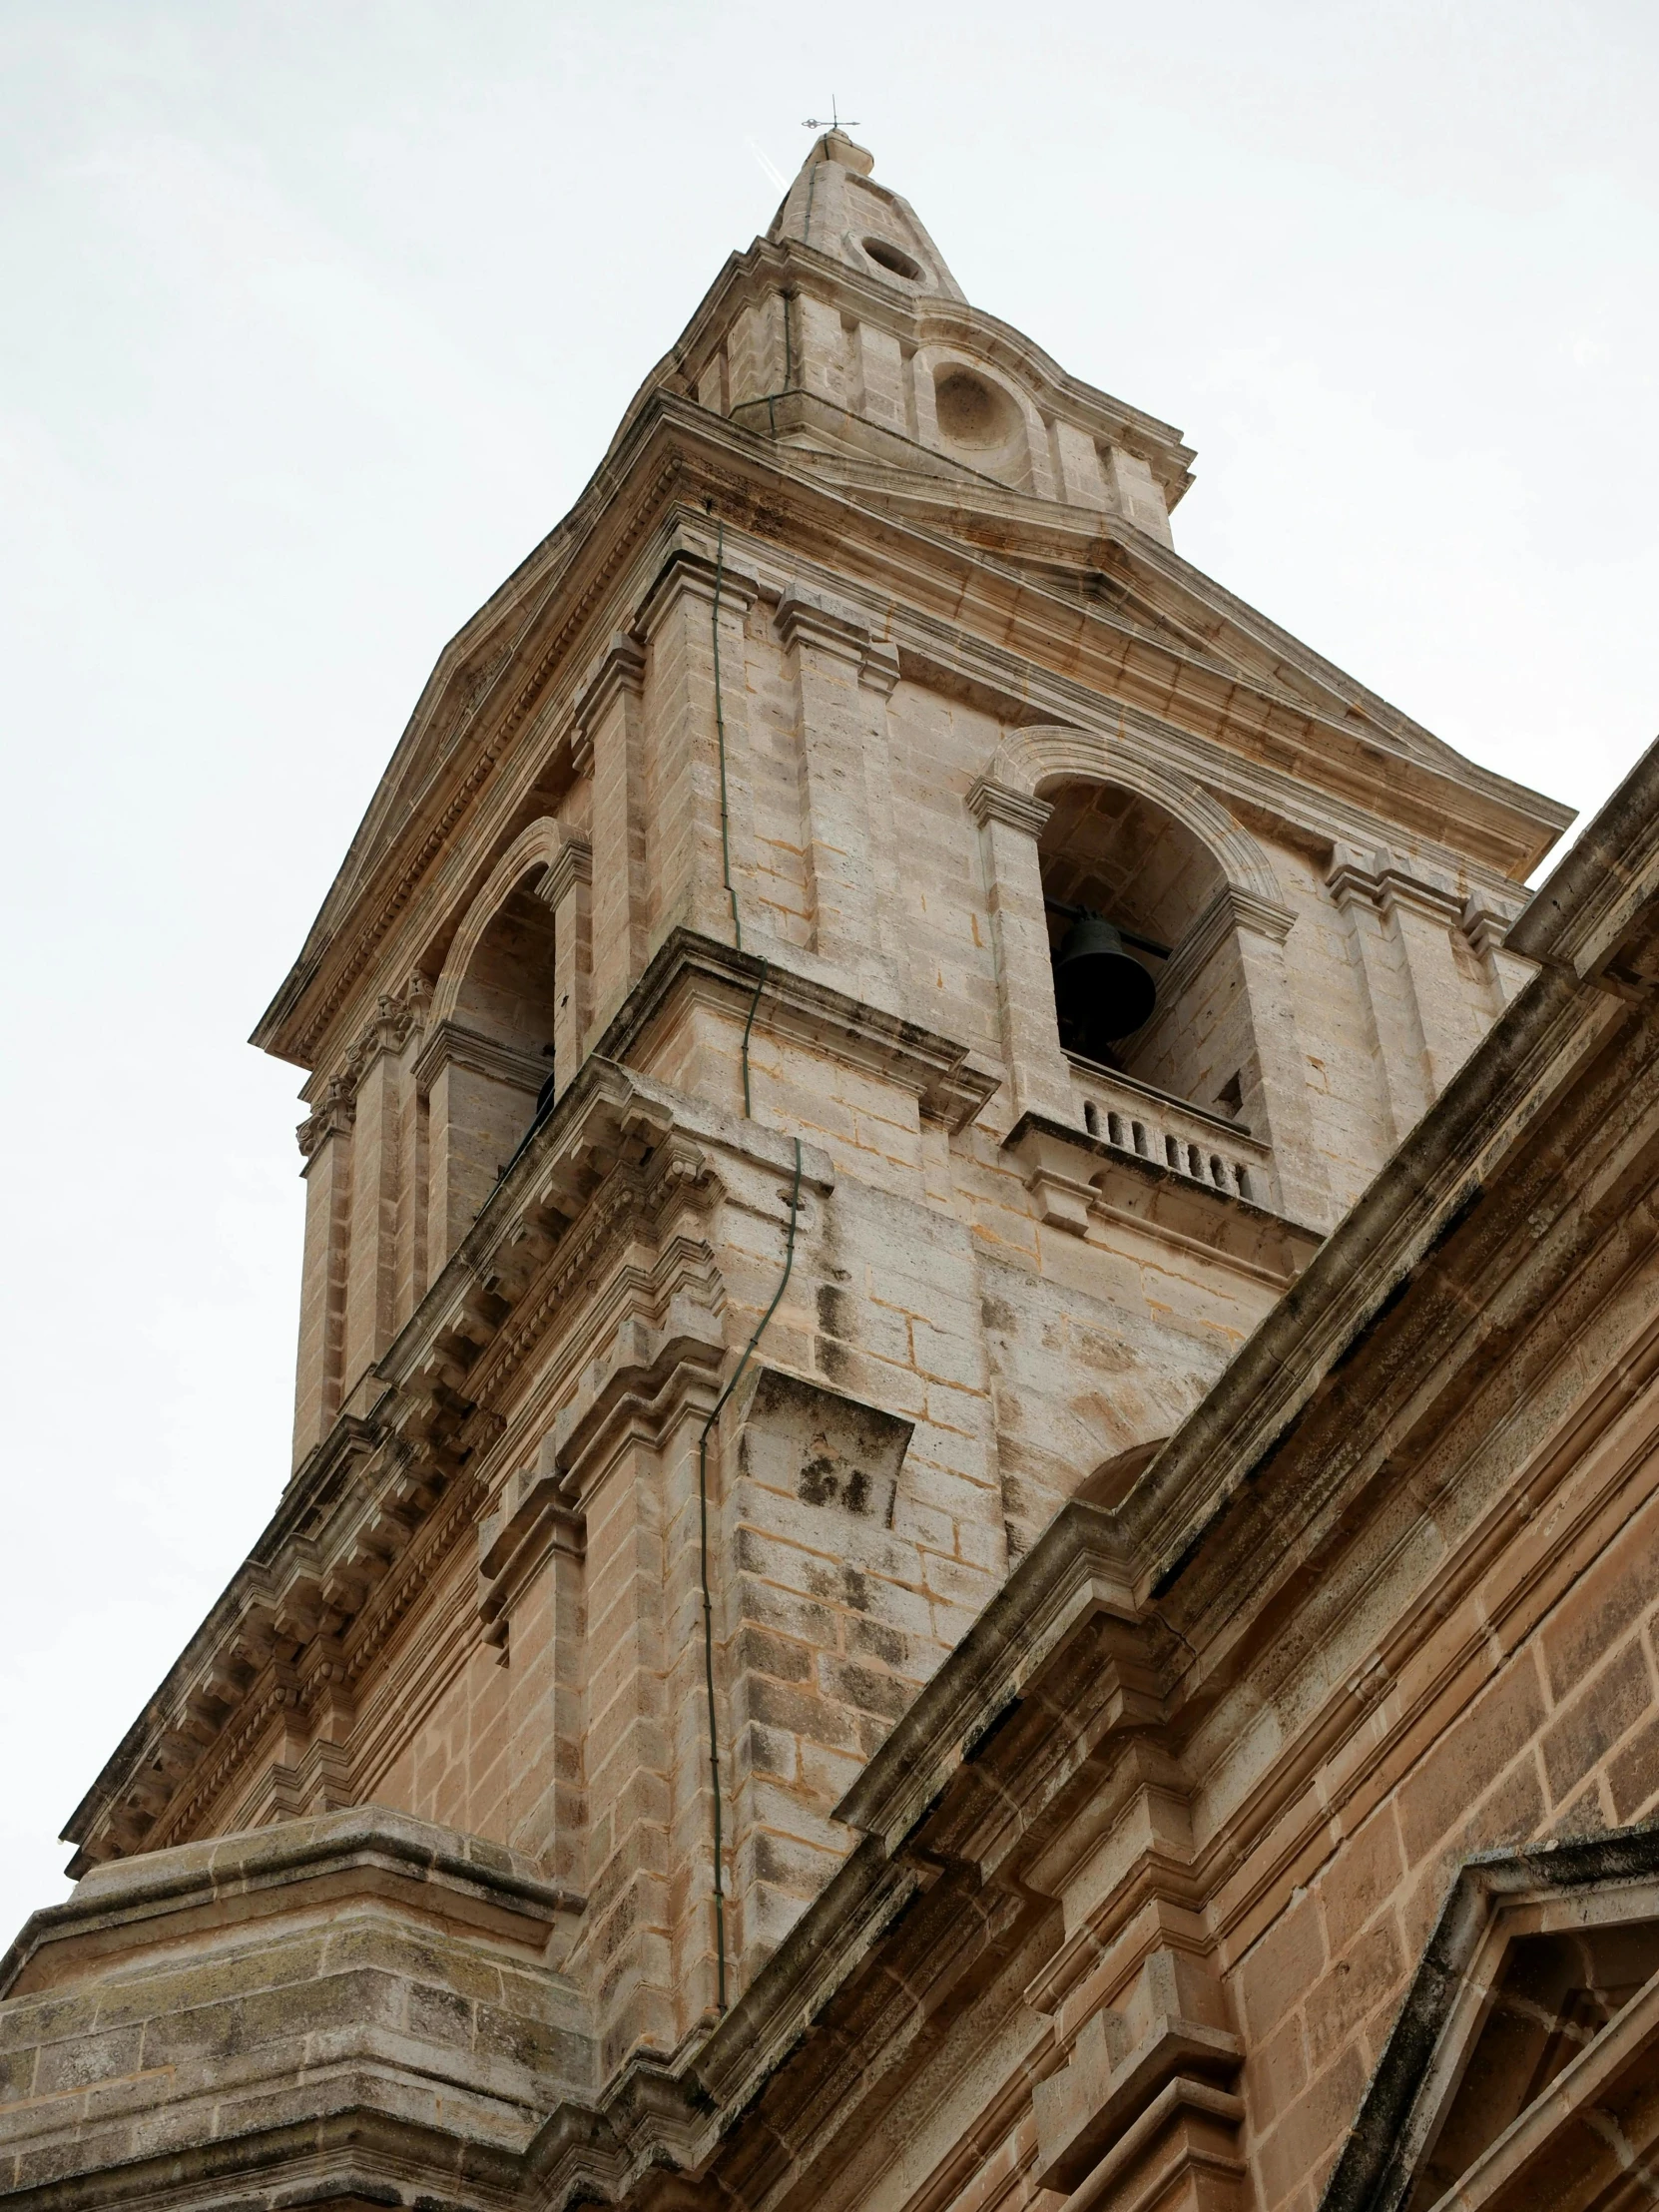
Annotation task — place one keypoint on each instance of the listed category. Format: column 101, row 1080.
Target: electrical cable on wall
column 708, row 1601
column 760, row 1326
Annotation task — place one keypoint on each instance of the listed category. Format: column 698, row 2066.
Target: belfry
column 971, row 1294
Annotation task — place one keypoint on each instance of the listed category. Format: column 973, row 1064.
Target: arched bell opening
column 509, row 991
column 1124, row 883
column 487, row 1069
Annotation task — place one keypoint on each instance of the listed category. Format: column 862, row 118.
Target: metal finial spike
column 835, row 122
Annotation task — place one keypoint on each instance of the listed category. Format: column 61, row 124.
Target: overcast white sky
column 317, row 315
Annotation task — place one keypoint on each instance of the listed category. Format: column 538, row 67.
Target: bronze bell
column 1101, row 992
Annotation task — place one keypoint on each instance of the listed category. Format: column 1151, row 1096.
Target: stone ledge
column 949, row 1085
column 251, row 2008
column 470, row 1881
column 1074, row 1177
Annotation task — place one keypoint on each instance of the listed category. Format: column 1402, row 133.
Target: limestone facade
column 869, row 1610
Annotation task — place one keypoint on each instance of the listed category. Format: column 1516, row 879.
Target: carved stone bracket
column 331, row 1119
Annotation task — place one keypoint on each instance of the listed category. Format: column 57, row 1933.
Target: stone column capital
column 333, row 1118
column 988, row 800
column 691, row 572
column 1383, row 881
column 806, row 617
column 620, row 673
column 570, row 866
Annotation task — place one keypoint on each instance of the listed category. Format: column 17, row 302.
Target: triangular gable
column 1523, row 2069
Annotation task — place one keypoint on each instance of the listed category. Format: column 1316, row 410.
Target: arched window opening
column 1123, row 884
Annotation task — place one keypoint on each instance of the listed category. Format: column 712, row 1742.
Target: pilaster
column 531, row 1608
column 1136, row 494
column 479, row 1095
column 844, row 678
column 694, row 600
column 566, row 889
column 1277, row 1109
column 1485, row 924
column 1423, row 1009
column 326, row 1142
column 1010, row 822
column 1078, row 461
column 610, row 747
column 382, row 1164
column 880, row 364
column 626, row 1455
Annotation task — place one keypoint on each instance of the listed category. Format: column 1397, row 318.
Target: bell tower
column 866, row 978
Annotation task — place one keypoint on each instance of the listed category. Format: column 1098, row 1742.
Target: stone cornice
column 806, row 616
column 948, row 1086
column 1378, row 881
column 1592, row 900
column 1077, row 1570
column 1229, row 913
column 1487, row 922
column 1077, row 1681
column 1074, row 1178
column 478, row 1884
column 772, row 266
column 830, row 625
column 688, row 571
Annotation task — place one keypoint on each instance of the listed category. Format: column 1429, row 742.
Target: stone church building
column 973, row 1505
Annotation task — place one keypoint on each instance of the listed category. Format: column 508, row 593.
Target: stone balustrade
column 1137, row 1118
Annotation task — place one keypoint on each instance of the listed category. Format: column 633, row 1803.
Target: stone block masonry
column 875, row 1608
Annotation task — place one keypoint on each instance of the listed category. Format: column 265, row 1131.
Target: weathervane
column 816, row 121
